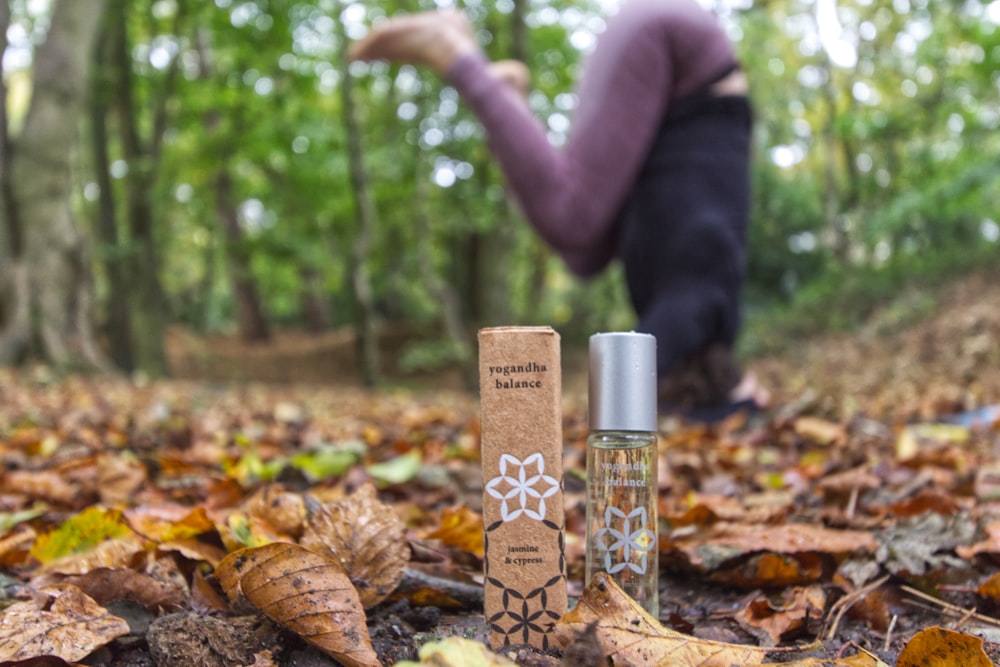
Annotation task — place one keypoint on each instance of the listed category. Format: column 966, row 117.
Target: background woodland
column 206, row 167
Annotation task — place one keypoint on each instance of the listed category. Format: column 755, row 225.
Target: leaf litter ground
column 856, row 513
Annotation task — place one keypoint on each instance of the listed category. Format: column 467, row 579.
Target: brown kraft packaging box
column 520, row 382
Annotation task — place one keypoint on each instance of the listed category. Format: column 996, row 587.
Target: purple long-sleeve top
column 651, row 53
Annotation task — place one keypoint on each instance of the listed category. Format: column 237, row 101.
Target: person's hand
column 435, row 39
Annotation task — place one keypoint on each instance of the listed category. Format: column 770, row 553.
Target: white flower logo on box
column 525, row 487
column 627, row 540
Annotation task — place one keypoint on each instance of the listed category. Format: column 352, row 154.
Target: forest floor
column 860, row 510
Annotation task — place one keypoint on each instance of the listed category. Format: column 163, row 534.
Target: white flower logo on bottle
column 522, row 487
column 634, row 537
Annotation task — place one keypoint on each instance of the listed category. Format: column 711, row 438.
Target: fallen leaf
column 457, row 652
column 80, row 533
column 915, row 437
column 283, row 510
column 926, row 501
column 991, row 545
column 772, row 570
column 723, row 544
column 461, row 527
column 990, row 588
column 9, row 520
column 943, row 648
column 40, row 485
column 106, row 585
column 62, row 621
column 630, row 636
column 397, row 470
column 820, row 431
column 119, row 476
column 307, row 593
column 790, row 613
column 113, row 553
column 366, row 538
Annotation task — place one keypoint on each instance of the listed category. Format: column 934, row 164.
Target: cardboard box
column 520, row 381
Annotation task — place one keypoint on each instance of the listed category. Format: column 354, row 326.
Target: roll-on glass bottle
column 621, row 465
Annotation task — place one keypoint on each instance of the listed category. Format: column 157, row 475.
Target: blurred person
column 655, row 172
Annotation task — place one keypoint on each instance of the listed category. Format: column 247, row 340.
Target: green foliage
column 431, row 356
column 866, row 174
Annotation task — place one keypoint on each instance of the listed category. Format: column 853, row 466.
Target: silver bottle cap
column 622, row 382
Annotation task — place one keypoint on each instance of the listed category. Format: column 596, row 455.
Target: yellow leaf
column 943, row 648
column 457, row 652
column 305, row 592
column 461, row 527
column 80, row 534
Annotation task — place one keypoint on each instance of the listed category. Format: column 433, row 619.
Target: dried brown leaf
column 991, row 545
column 990, row 588
column 630, row 636
column 118, row 478
column 306, row 592
column 62, row 621
column 820, row 431
column 787, row 615
column 723, row 543
column 366, row 537
column 283, row 510
column 114, row 553
column 106, row 585
column 943, row 648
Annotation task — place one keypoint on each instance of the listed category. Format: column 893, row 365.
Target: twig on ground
column 842, row 605
column 963, row 614
column 888, row 633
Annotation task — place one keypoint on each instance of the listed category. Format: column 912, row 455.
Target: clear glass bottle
column 621, row 465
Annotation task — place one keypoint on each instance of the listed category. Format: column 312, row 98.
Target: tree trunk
column 149, row 312
column 365, row 207
column 15, row 325
column 57, row 254
column 314, row 306
column 252, row 323
column 249, row 312
column 117, row 327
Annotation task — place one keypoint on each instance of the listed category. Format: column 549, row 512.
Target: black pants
column 683, row 236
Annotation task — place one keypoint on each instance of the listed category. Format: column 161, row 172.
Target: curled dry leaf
column 62, row 621
column 106, row 585
column 307, row 593
column 944, row 648
column 366, row 537
column 630, row 636
column 282, row 510
column 771, row 618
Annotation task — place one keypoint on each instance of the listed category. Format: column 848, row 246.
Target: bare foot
column 750, row 389
column 435, row 39
column 514, row 73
